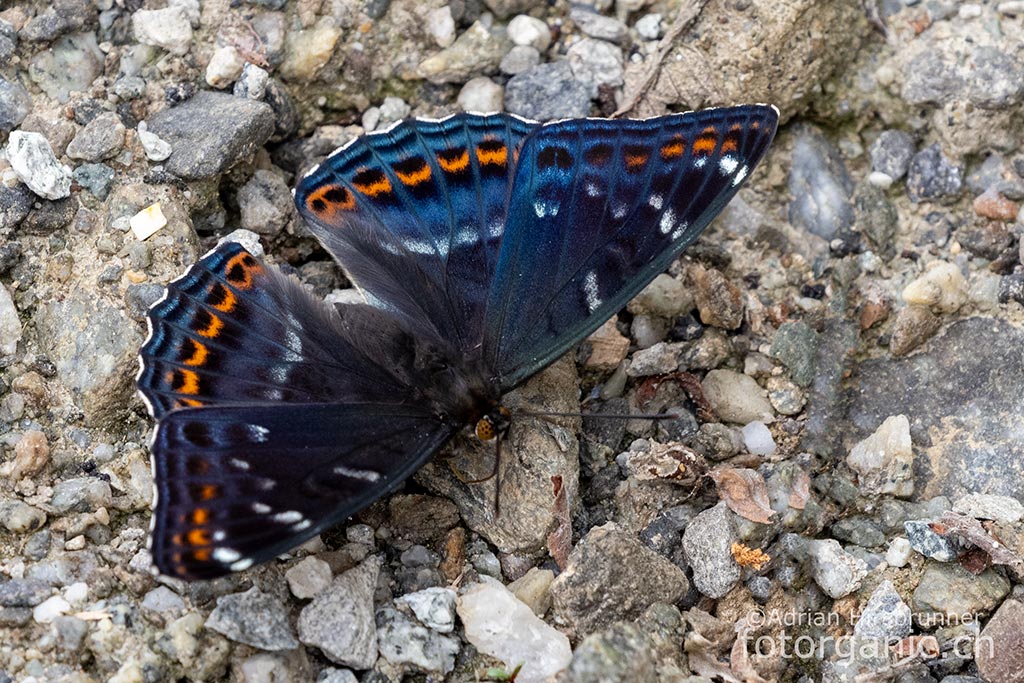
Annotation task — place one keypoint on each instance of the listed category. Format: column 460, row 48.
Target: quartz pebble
column 527, row 30
column 481, row 94
column 225, row 67
column 499, row 625
column 168, row 28
column 735, row 397
column 33, row 161
column 942, row 287
column 758, row 439
column 884, row 461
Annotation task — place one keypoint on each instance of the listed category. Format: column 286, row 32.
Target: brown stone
column 999, row 652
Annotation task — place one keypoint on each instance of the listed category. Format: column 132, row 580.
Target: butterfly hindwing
column 599, row 208
column 415, row 215
column 238, row 485
column 232, row 330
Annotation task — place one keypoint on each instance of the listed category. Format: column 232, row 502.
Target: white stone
column 393, row 109
column 736, row 397
column 253, row 82
column 836, row 572
column 167, row 28
column 156, row 148
column 884, row 461
column 481, row 95
column 527, row 30
column 989, row 506
column 899, row 552
column 225, row 67
column 308, row 577
column 595, row 63
column 879, row 179
column 247, row 238
column 32, row 159
column 942, row 287
column 648, row 26
column 441, row 26
column 49, row 609
column 77, row 593
column 10, row 323
column 147, row 222
column 758, row 439
column 500, row 625
column 434, row 607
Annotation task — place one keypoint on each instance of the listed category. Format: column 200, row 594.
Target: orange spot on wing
column 189, row 382
column 199, row 354
column 197, row 537
column 453, row 163
column 208, row 491
column 496, row 154
column 189, row 403
column 732, row 139
column 213, row 328
column 200, row 516
column 706, row 141
column 636, row 161
column 416, row 177
column 224, row 299
column 240, row 270
column 673, row 149
column 372, row 183
column 202, row 555
column 329, row 199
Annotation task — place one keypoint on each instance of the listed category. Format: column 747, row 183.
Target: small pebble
column 167, row 28
column 991, row 204
column 758, row 439
column 32, row 159
column 899, row 552
column 481, row 94
column 51, row 608
column 225, row 67
column 648, row 26
column 308, row 577
column 527, row 30
column 942, row 287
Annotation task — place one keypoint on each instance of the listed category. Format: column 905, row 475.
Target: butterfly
column 484, row 247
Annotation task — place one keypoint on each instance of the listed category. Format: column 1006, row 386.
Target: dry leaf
column 917, row 647
column 560, row 540
column 739, row 660
column 801, row 492
column 745, row 492
column 975, row 534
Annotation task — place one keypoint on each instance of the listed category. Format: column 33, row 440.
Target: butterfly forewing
column 598, row 209
column 415, row 216
column 238, row 485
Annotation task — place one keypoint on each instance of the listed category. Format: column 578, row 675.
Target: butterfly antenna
column 544, row 415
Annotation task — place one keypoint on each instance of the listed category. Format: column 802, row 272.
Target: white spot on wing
column 241, row 564
column 699, row 162
column 619, row 211
column 356, row 473
column 728, row 164
column 740, row 175
column 226, row 555
column 260, row 508
column 592, row 190
column 680, row 230
column 590, row 291
column 544, row 209
column 288, row 517
column 239, row 464
column 302, row 526
column 667, row 222
column 655, row 201
column 257, row 433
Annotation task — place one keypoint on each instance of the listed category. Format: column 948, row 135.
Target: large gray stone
column 212, row 132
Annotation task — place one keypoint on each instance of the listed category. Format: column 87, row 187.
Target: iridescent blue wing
column 238, row 485
column 279, row 416
column 415, row 216
column 598, row 209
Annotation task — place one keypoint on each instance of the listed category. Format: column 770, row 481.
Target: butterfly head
column 493, row 424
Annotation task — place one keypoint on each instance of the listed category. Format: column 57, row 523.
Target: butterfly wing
column 415, row 215
column 241, row 484
column 598, row 209
column 279, row 416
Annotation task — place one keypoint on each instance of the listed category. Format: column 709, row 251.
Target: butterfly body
column 484, row 246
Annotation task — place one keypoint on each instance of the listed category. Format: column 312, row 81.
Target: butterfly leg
column 494, row 474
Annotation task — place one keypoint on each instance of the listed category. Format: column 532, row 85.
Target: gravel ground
column 840, row 498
